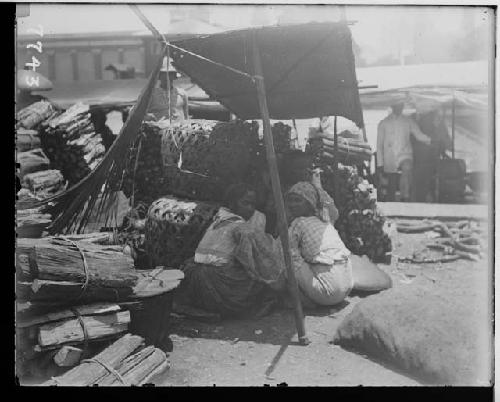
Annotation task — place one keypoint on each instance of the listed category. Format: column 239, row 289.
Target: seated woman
column 319, row 257
column 325, row 269
column 235, row 267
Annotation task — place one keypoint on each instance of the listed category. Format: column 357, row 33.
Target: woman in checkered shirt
column 319, row 257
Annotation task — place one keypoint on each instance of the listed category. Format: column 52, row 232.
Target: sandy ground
column 265, row 351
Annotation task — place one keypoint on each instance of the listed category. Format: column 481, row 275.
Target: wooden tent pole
column 278, row 196
column 453, row 127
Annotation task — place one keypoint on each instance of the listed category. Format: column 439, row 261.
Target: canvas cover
column 308, row 70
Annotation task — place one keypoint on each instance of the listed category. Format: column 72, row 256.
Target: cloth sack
column 438, row 338
column 367, row 276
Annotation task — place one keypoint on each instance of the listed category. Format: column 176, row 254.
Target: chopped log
column 88, row 373
column 68, row 356
column 70, row 331
column 89, row 309
column 55, row 259
column 138, row 368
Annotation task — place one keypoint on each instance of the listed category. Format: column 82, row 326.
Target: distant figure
column 426, row 157
column 159, row 107
column 394, row 151
column 98, row 118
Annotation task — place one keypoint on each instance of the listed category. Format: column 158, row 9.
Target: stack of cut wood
column 45, row 183
column 71, row 143
column 174, row 228
column 27, row 140
column 66, row 335
column 33, row 115
column 126, row 362
column 352, row 149
column 144, row 176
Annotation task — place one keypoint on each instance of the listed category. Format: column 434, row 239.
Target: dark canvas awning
column 308, row 70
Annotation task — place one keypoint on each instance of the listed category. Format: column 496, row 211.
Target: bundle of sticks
column 126, row 362
column 44, row 184
column 27, row 140
column 71, row 143
column 463, row 239
column 33, row 115
column 350, row 150
column 60, row 272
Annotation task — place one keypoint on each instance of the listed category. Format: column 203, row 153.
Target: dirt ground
column 265, row 351
column 255, row 352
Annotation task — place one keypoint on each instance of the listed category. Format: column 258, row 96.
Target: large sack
column 437, row 338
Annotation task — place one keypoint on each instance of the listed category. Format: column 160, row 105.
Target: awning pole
column 336, row 152
column 453, row 126
column 278, row 196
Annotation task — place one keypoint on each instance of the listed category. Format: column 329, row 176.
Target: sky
column 378, row 30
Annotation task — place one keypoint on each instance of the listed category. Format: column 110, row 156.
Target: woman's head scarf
column 312, row 195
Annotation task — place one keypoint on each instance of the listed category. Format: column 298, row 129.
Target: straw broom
column 71, row 210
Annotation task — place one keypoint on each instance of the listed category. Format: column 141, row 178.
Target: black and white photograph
column 222, row 194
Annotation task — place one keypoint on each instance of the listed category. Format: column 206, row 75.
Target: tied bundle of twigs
column 72, row 209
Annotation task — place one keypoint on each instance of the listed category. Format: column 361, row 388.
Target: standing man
column 160, row 107
column 394, row 151
column 426, row 157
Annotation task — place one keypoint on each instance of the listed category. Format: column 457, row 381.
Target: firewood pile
column 71, row 143
column 196, row 160
column 360, row 224
column 73, row 295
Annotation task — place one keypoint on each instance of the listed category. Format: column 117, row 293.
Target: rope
column 162, row 38
column 136, row 164
column 84, row 328
column 85, row 266
column 110, row 369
